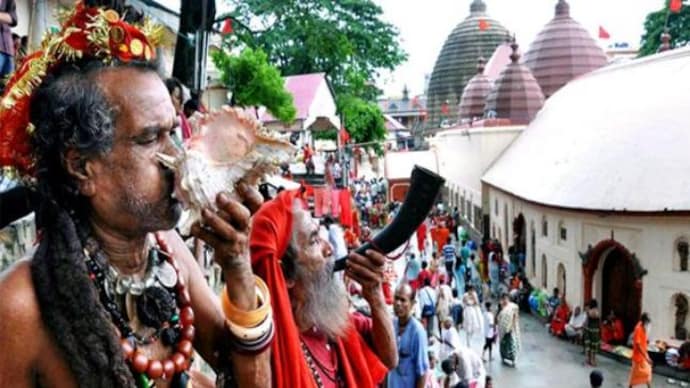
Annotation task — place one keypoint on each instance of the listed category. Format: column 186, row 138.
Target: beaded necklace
column 312, row 366
column 177, row 332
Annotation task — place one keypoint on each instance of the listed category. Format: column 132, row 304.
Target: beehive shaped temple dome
column 516, row 94
column 477, row 35
column 475, row 93
column 562, row 51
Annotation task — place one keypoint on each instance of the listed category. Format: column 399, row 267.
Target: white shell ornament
column 230, row 147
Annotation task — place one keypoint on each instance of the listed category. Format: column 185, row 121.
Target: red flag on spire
column 227, row 27
column 603, row 34
column 675, row 6
column 484, row 25
column 445, row 110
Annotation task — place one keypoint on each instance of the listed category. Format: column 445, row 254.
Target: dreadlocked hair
column 70, row 112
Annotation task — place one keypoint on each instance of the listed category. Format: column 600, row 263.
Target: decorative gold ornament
column 136, row 47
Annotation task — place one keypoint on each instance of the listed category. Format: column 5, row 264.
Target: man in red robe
column 612, row 330
column 560, row 318
column 317, row 341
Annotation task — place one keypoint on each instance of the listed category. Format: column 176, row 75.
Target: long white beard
column 326, row 304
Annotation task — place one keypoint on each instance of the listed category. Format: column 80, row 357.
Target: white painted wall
column 464, row 156
column 652, row 238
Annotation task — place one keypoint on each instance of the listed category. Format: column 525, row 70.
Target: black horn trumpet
column 424, row 188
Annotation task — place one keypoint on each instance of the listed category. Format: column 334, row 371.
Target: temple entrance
column 618, row 283
column 561, row 279
column 519, row 243
column 618, row 279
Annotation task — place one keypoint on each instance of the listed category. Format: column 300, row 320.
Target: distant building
column 595, row 194
column 316, row 110
column 409, row 112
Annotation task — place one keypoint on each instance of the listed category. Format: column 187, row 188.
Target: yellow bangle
column 250, row 318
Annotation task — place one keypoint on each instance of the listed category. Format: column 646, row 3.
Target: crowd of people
column 444, row 274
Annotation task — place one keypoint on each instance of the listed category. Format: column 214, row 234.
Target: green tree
column 678, row 27
column 363, row 120
column 346, row 39
column 255, row 82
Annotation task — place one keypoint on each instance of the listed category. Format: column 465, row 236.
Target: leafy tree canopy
column 346, row 39
column 255, row 82
column 678, row 26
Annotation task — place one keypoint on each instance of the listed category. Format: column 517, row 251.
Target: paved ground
column 547, row 362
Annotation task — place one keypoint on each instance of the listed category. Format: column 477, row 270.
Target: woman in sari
column 508, row 322
column 473, row 321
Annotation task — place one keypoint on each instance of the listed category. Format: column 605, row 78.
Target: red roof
column 303, row 88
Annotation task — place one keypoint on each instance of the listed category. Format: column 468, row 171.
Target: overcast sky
column 424, row 26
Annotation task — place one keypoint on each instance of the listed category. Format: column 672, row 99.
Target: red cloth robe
column 560, row 318
column 613, row 332
column 421, row 236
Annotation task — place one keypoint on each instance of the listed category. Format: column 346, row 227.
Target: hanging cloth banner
column 345, row 208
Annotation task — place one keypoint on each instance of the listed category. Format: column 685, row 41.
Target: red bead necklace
column 179, row 361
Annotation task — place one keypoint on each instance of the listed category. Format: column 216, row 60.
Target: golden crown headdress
column 86, row 32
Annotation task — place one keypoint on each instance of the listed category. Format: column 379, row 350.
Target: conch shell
column 231, row 146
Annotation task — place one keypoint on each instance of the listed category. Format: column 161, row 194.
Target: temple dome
column 475, row 93
column 600, row 144
column 562, row 51
column 456, row 63
column 516, row 95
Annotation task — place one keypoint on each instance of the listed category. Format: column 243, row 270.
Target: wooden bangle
column 250, row 318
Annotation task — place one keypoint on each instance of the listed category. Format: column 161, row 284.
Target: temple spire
column 477, row 6
column 514, row 56
column 562, row 9
column 665, row 41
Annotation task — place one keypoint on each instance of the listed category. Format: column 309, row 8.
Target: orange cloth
column 441, row 238
column 641, row 373
column 271, row 232
column 639, row 344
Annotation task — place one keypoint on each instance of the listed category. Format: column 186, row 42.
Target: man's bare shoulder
column 21, row 332
column 19, row 311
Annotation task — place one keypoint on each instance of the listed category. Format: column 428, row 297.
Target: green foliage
column 346, row 39
column 678, row 25
column 362, row 119
column 329, row 134
column 255, row 82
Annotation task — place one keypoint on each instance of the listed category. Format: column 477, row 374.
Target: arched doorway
column 519, row 242
column 680, row 316
column 561, row 279
column 533, row 249
column 618, row 284
column 506, row 243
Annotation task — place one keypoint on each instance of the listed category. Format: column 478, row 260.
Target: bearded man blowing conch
column 318, row 343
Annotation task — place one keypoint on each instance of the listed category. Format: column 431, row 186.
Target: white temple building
column 597, row 189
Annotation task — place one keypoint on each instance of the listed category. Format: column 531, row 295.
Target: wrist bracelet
column 249, row 334
column 250, row 318
column 255, row 347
